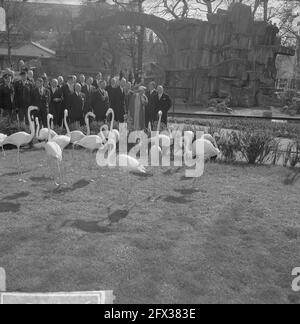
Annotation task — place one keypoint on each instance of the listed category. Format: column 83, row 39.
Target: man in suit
column 128, row 95
column 119, row 101
column 100, row 102
column 97, row 80
column 77, row 100
column 61, row 81
column 23, row 97
column 152, row 96
column 67, row 91
column 6, row 97
column 164, row 104
column 87, row 89
column 41, row 99
column 55, row 106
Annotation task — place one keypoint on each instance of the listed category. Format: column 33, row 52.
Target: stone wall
column 228, row 55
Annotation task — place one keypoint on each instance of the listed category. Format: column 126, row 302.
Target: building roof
column 29, row 50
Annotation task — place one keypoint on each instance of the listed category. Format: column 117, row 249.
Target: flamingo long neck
column 158, row 124
column 112, row 152
column 31, row 124
column 112, row 120
column 66, row 125
column 87, row 122
column 37, row 127
column 49, row 129
column 101, row 132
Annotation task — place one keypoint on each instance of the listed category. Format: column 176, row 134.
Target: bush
column 256, row 145
column 229, row 146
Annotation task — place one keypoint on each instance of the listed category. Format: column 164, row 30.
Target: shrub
column 229, row 146
column 255, row 145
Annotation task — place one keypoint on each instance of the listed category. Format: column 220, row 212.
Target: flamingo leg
column 60, row 173
column 91, row 164
column 3, row 152
column 19, row 167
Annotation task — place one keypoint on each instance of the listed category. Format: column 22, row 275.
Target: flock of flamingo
column 54, row 144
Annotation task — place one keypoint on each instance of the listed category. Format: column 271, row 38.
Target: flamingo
column 104, row 132
column 42, row 134
column 2, row 139
column 20, row 139
column 203, row 147
column 78, row 135
column 113, row 134
column 63, row 140
column 91, row 143
column 125, row 161
column 53, row 150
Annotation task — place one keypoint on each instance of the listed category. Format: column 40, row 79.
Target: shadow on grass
column 12, row 174
column 142, row 175
column 17, row 196
column 40, row 179
column 189, row 192
column 6, row 207
column 91, row 227
column 76, row 186
column 177, row 200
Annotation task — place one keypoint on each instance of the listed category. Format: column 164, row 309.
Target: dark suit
column 6, row 99
column 95, row 84
column 100, row 104
column 76, row 108
column 151, row 107
column 118, row 104
column 55, row 106
column 23, row 98
column 164, row 105
column 41, row 99
column 66, row 96
column 88, row 92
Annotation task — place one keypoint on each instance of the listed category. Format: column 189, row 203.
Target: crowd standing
column 131, row 102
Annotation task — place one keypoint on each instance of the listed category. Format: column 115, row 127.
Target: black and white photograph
column 150, row 154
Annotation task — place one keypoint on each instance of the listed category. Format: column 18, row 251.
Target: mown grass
column 234, row 240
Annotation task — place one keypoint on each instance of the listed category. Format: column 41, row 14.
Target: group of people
column 135, row 104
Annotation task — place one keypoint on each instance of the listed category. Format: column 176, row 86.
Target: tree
column 17, row 21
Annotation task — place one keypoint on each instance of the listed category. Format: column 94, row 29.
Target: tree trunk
column 209, row 6
column 141, row 48
column 141, row 37
column 266, row 3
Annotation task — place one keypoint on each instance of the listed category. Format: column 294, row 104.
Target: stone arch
column 125, row 18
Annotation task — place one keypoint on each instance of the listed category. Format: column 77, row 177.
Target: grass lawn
column 235, row 240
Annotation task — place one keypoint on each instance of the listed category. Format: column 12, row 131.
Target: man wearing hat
column 41, row 97
column 67, row 91
column 6, row 96
column 23, row 96
column 152, row 96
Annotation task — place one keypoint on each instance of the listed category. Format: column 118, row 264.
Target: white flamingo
column 63, row 140
column 128, row 163
column 78, row 135
column 53, row 150
column 42, row 134
column 2, row 139
column 91, row 143
column 22, row 138
column 204, row 148
column 104, row 132
column 113, row 134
